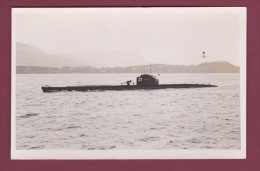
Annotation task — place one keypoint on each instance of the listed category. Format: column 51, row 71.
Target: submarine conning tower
column 147, row 80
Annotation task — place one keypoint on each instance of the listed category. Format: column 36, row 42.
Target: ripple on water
column 100, row 147
column 149, row 139
column 28, row 115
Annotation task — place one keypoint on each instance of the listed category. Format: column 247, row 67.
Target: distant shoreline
column 208, row 67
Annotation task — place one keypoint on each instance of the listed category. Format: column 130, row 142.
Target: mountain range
column 28, row 55
column 31, row 60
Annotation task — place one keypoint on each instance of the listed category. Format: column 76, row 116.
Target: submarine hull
column 123, row 87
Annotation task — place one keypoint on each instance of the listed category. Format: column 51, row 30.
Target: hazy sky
column 159, row 35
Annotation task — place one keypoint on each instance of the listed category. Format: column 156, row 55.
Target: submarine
column 143, row 82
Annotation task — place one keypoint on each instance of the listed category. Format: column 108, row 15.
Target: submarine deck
column 123, row 87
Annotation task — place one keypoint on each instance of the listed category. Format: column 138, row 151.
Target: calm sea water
column 204, row 118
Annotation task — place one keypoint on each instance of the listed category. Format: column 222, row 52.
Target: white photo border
column 135, row 154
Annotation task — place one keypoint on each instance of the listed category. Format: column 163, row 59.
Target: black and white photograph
column 129, row 83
